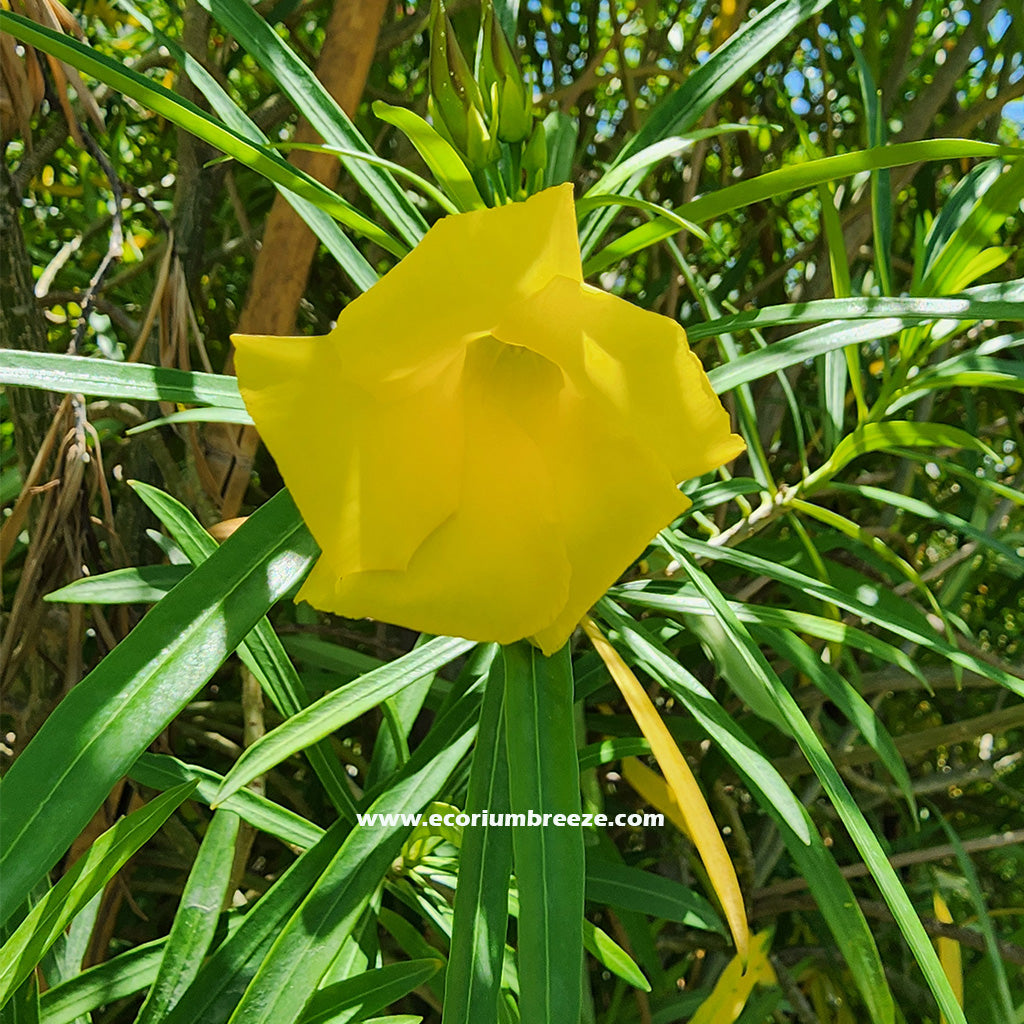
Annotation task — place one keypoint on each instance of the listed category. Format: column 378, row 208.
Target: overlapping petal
column 484, row 442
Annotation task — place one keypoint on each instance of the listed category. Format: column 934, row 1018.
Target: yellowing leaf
column 950, row 955
column 681, row 799
column 737, row 981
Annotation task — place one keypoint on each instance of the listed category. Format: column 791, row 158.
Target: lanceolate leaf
column 860, row 831
column 320, row 108
column 327, row 230
column 87, row 876
column 549, row 863
column 805, row 846
column 196, row 919
column 145, row 585
column 190, row 117
column 103, row 378
column 374, row 990
column 969, row 305
column 790, row 351
column 338, row 708
column 647, row 893
column 261, row 651
column 784, row 181
column 902, row 625
column 124, row 975
column 311, row 939
column 473, row 977
column 222, row 980
column 438, row 154
column 683, row 107
column 161, row 771
column 100, row 728
column 872, row 437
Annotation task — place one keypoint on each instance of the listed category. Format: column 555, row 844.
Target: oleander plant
column 513, row 512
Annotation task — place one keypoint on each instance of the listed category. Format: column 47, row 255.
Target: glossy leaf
column 338, row 708
column 49, row 917
column 101, row 727
column 549, row 862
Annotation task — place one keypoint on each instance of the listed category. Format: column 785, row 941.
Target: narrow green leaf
column 856, row 709
column 549, row 862
column 904, row 625
column 967, row 305
column 860, row 831
column 366, row 993
column 145, row 585
column 23, row 1007
column 873, row 437
column 881, row 186
column 101, row 727
column 614, row 178
column 473, row 978
column 925, row 511
column 797, row 348
column 964, row 371
column 683, row 107
column 161, row 771
column 205, row 415
column 794, row 178
column 195, row 922
column 223, row 979
column 320, row 109
column 992, row 951
column 349, row 258
column 311, row 939
column 560, row 134
column 190, row 117
column 261, row 651
column 831, row 891
column 86, row 877
column 338, row 708
column 124, row 975
column 955, row 212
column 953, row 265
column 104, row 378
column 438, row 154
column 610, row 954
column 629, row 888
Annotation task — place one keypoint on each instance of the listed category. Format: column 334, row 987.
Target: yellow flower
column 484, row 443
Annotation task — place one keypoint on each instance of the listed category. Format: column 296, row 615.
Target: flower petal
column 370, row 481
column 638, row 362
column 454, row 286
column 612, row 494
column 496, row 570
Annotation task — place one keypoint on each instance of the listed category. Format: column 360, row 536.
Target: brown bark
column 286, row 255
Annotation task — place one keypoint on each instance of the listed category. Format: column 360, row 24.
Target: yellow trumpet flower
column 484, row 442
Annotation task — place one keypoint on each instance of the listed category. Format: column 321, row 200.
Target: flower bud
column 535, row 159
column 507, row 98
column 455, row 103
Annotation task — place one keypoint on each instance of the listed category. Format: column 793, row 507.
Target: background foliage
column 883, row 593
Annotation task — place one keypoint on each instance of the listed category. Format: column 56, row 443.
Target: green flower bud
column 535, row 160
column 507, row 98
column 456, row 106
